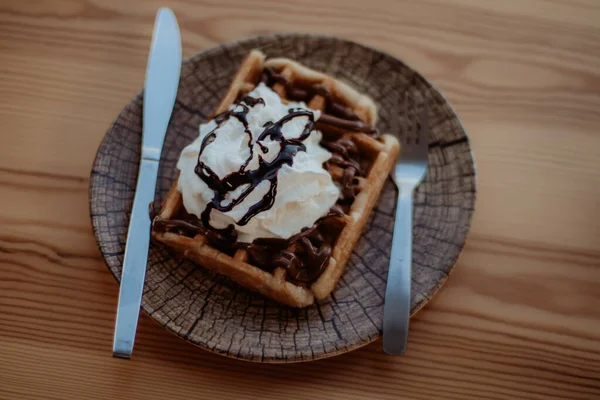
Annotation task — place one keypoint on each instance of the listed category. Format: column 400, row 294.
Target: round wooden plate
column 211, row 311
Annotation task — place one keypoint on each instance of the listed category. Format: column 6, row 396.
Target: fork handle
column 396, row 311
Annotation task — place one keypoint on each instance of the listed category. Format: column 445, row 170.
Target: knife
column 160, row 91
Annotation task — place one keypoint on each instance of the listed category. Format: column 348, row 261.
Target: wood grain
column 517, row 319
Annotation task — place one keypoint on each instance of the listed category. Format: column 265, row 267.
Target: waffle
column 377, row 154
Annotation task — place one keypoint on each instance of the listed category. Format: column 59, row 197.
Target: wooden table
column 519, row 318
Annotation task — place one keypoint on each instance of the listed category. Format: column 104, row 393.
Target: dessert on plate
column 278, row 186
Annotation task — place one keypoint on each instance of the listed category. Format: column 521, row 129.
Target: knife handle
column 134, row 263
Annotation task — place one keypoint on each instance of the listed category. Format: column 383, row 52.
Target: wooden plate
column 211, row 311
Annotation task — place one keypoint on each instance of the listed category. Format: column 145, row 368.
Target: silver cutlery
column 408, row 173
column 160, row 91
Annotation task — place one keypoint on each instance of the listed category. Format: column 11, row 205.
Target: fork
column 407, row 174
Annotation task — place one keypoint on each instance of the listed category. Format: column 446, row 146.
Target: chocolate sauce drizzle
column 304, row 255
column 250, row 179
column 336, row 115
column 189, row 225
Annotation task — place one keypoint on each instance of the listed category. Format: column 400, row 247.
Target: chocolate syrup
column 345, row 147
column 189, row 225
column 297, row 269
column 304, row 255
column 352, row 125
column 342, row 111
column 180, row 226
column 266, row 171
column 337, row 115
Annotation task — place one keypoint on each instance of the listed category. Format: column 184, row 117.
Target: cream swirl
column 303, row 190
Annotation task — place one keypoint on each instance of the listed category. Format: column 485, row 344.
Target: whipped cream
column 303, row 191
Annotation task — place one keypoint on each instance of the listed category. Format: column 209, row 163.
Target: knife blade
column 160, row 91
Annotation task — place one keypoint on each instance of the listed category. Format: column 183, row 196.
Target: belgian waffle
column 360, row 164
